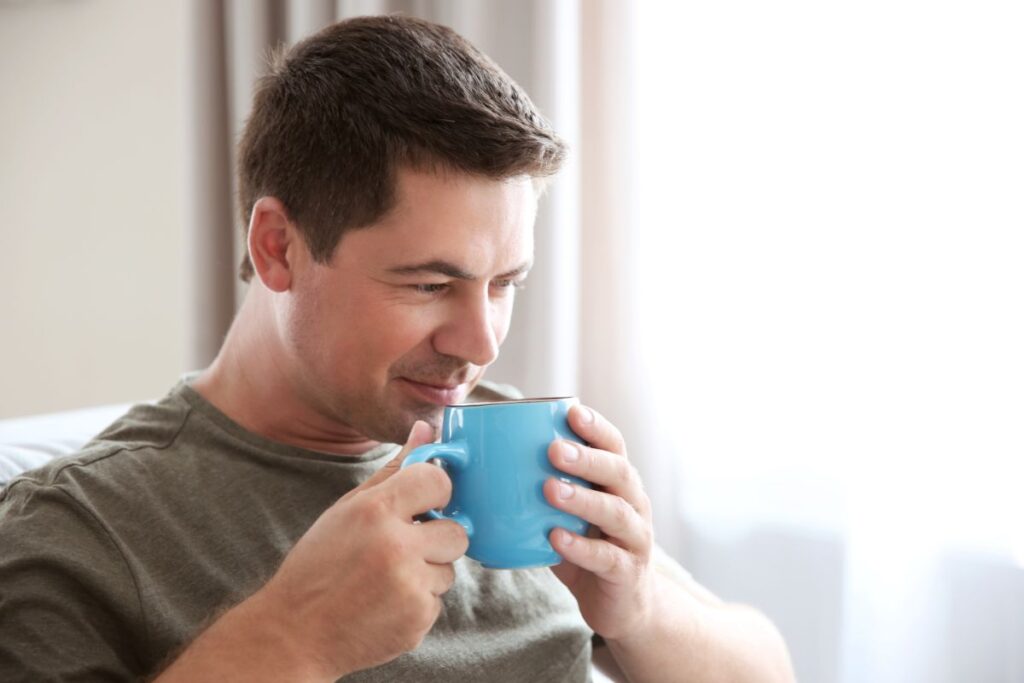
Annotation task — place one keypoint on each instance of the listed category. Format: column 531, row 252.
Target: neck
column 252, row 382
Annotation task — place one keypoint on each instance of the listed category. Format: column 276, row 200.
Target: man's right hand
column 363, row 585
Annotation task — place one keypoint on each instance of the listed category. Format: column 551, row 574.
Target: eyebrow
column 450, row 270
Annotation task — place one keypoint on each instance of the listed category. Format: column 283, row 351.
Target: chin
column 432, row 416
column 397, row 429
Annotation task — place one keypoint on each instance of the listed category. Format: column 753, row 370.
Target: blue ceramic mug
column 497, row 457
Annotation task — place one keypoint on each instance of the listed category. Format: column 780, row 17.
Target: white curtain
column 829, row 213
column 785, row 259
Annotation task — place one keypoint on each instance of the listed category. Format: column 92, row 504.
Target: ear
column 272, row 241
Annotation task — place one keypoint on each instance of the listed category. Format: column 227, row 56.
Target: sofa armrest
column 30, row 442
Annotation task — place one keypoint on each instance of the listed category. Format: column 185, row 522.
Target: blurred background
column 785, row 259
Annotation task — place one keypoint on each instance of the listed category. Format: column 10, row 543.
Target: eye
column 434, row 288
column 508, row 284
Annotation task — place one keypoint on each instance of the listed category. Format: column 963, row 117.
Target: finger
column 614, row 473
column 415, row 489
column 443, row 540
column 420, row 434
column 604, row 559
column 615, row 517
column 595, row 430
column 438, row 578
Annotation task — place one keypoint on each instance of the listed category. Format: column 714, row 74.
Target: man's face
column 411, row 311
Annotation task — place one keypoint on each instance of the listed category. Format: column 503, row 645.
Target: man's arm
column 362, row 586
column 253, row 640
column 657, row 628
column 697, row 639
column 744, row 633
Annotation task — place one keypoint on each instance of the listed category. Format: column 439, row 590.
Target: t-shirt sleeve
column 69, row 607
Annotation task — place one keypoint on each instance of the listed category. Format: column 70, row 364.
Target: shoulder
column 145, row 429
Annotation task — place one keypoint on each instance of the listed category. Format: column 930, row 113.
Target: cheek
column 391, row 332
column 328, row 333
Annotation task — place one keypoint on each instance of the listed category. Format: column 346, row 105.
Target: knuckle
column 405, row 589
column 621, row 512
column 591, row 549
column 392, row 550
column 644, row 506
column 585, row 502
column 647, row 538
column 424, row 614
column 612, row 559
column 371, row 506
column 411, row 637
column 636, row 568
column 623, row 470
column 590, row 458
column 619, row 441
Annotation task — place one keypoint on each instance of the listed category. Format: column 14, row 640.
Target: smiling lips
column 438, row 394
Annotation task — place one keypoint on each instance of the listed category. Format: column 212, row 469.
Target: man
column 254, row 523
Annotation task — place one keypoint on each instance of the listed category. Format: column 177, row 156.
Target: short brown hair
column 342, row 110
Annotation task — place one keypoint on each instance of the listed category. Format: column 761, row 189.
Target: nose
column 472, row 332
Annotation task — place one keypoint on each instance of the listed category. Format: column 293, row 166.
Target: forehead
column 479, row 223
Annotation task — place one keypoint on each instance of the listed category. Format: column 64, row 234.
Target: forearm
column 248, row 642
column 694, row 637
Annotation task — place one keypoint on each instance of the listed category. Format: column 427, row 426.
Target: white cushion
column 30, row 442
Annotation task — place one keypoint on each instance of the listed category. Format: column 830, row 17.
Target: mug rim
column 481, row 404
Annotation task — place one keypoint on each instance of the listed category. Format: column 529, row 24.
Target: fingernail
column 564, row 490
column 570, row 451
column 586, row 415
column 567, row 538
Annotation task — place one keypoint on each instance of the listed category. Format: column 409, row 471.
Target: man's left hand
column 609, row 571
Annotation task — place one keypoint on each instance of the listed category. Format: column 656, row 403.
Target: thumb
column 420, row 434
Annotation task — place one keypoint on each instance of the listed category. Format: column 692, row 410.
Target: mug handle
column 455, row 456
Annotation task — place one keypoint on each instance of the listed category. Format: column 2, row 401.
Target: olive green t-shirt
column 114, row 559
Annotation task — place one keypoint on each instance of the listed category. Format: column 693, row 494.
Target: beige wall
column 91, row 236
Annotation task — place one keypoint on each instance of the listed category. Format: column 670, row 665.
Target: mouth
column 437, row 394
